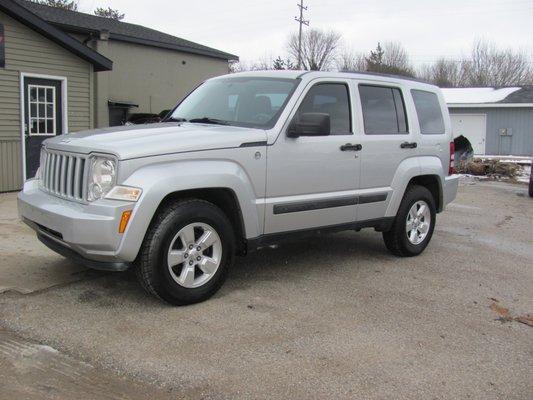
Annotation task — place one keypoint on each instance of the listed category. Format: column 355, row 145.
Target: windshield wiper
column 207, row 120
column 173, row 119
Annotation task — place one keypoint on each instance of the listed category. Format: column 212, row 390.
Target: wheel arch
column 425, row 171
column 221, row 182
column 222, row 197
column 433, row 184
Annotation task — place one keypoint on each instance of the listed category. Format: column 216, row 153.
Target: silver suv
column 242, row 162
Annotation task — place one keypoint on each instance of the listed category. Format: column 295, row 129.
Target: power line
column 302, row 22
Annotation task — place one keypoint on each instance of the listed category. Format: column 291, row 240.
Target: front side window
column 383, row 110
column 249, row 102
column 429, row 112
column 331, row 99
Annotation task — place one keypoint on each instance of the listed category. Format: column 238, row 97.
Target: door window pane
column 49, row 95
column 33, row 94
column 42, row 97
column 42, row 126
column 383, row 110
column 429, row 112
column 33, row 126
column 331, row 99
column 49, row 111
column 50, row 126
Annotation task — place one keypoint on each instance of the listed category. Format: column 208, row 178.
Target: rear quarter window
column 429, row 112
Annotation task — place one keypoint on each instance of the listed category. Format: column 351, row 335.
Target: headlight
column 126, row 193
column 102, row 177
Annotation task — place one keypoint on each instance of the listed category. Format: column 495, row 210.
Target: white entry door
column 473, row 127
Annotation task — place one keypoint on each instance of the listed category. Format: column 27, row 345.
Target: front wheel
column 414, row 223
column 187, row 251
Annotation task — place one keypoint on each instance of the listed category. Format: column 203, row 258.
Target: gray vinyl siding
column 10, row 165
column 518, row 120
column 29, row 52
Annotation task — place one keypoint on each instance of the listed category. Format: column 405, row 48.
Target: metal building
column 497, row 121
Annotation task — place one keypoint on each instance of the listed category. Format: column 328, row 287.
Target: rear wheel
column 187, row 251
column 414, row 223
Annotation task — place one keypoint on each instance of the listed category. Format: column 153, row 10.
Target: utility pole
column 302, row 22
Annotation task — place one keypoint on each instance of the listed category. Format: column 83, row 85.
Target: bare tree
column 490, row 66
column 109, row 13
column 237, row 66
column 349, row 60
column 486, row 65
column 71, row 5
column 444, row 73
column 318, row 48
column 396, row 57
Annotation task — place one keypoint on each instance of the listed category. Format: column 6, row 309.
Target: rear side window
column 383, row 110
column 429, row 112
column 331, row 99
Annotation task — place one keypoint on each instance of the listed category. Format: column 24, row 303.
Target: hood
column 155, row 139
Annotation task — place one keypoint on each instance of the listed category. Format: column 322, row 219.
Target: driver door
column 312, row 180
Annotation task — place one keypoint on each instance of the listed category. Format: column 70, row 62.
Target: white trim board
column 489, row 105
column 64, row 109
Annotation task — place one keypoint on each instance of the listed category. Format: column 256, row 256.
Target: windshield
column 250, row 102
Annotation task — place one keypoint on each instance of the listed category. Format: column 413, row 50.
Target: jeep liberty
column 244, row 161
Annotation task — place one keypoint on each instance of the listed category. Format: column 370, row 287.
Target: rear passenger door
column 387, row 140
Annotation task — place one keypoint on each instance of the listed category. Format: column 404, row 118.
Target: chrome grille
column 63, row 174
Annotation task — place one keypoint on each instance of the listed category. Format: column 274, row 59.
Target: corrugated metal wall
column 29, row 52
column 518, row 121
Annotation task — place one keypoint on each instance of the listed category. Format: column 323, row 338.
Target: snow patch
column 47, row 349
column 524, row 174
column 477, row 95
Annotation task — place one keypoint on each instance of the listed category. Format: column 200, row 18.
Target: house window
column 42, row 110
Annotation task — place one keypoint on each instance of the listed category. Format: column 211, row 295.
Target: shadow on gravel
column 291, row 261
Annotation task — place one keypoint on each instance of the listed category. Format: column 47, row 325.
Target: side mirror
column 310, row 124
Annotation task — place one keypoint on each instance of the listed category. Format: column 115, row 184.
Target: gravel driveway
column 331, row 317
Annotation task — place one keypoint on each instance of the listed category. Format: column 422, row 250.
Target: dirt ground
column 331, row 317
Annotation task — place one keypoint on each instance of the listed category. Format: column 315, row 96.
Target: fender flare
column 160, row 180
column 407, row 170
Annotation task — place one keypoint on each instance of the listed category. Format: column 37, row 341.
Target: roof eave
column 169, row 46
column 36, row 23
column 489, row 105
column 146, row 42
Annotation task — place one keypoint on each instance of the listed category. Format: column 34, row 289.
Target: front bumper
column 451, row 184
column 69, row 228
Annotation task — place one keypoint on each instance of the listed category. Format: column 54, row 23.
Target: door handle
column 351, row 147
column 407, row 145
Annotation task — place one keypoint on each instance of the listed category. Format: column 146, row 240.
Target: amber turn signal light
column 124, row 221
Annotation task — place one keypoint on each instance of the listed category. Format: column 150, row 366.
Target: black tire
column 531, row 182
column 396, row 238
column 151, row 265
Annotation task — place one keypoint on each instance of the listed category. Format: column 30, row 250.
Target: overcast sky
column 255, row 29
